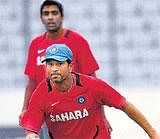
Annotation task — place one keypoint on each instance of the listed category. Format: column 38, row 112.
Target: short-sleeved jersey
column 77, row 114
column 83, row 59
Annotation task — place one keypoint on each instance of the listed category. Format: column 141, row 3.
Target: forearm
column 139, row 118
column 31, row 85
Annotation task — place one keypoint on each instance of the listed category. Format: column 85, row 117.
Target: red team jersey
column 83, row 60
column 76, row 114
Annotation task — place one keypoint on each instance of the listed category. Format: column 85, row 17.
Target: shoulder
column 91, row 81
column 40, row 94
column 42, row 88
column 38, row 39
column 76, row 35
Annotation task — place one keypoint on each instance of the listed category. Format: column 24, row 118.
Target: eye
column 45, row 13
column 55, row 12
column 49, row 63
column 60, row 63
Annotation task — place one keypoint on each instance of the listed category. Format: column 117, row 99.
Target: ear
column 41, row 19
column 62, row 18
column 70, row 67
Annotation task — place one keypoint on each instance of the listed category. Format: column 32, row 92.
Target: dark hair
column 52, row 2
column 68, row 61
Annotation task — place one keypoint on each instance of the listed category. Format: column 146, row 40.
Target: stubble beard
column 60, row 80
column 55, row 30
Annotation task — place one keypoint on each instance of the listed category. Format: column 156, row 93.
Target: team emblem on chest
column 81, row 100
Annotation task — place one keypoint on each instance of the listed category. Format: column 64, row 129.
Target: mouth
column 55, row 76
column 51, row 24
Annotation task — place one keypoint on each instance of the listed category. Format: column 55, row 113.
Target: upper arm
column 31, row 61
column 31, row 84
column 107, row 95
column 86, row 61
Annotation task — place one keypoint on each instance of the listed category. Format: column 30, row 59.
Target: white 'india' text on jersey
column 75, row 115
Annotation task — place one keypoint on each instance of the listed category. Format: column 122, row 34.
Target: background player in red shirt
column 71, row 103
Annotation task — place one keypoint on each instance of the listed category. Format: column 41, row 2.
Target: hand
column 156, row 136
column 32, row 136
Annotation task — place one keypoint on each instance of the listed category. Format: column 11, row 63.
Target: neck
column 66, row 85
column 55, row 34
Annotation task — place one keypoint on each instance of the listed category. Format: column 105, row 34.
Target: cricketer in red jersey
column 71, row 103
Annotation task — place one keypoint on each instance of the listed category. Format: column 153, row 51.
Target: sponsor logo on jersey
column 40, row 57
column 39, row 60
column 81, row 99
column 41, row 51
column 55, row 103
column 67, row 116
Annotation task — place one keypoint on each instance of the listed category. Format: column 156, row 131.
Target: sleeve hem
column 29, row 127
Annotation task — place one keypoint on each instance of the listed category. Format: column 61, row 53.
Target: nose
column 54, row 68
column 50, row 16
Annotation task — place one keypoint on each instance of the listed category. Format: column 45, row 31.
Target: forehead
column 50, row 8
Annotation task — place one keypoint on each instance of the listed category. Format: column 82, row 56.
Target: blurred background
column 125, row 39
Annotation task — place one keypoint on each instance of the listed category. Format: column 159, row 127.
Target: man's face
column 51, row 18
column 58, row 71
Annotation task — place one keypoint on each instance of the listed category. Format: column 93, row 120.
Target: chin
column 58, row 81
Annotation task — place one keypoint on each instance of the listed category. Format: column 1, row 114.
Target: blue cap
column 59, row 52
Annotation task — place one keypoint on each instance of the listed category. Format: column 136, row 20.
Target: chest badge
column 81, row 100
